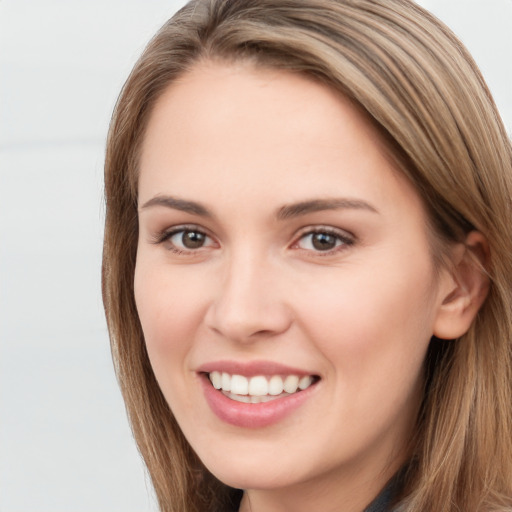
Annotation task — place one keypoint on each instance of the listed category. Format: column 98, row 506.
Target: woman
column 308, row 259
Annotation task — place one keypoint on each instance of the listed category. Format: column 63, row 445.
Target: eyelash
column 346, row 239
column 165, row 236
column 343, row 239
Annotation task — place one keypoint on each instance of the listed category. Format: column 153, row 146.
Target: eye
column 189, row 239
column 323, row 240
column 182, row 240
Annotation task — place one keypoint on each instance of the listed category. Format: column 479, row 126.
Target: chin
column 254, row 473
column 258, row 479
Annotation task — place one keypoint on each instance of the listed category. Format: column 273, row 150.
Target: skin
column 244, row 142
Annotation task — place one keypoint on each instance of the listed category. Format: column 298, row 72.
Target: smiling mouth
column 260, row 388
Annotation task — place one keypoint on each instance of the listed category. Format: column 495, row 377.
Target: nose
column 249, row 302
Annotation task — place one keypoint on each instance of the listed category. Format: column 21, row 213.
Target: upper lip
column 252, row 368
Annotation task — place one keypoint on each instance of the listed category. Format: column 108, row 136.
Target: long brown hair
column 424, row 93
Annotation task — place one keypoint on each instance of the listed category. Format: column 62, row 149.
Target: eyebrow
column 283, row 213
column 317, row 205
column 178, row 204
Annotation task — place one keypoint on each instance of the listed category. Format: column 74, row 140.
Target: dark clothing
column 383, row 502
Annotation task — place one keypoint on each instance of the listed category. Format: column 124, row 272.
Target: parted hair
column 421, row 89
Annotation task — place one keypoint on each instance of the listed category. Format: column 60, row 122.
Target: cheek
column 170, row 310
column 375, row 345
column 372, row 326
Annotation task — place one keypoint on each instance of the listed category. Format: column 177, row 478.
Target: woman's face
column 280, row 247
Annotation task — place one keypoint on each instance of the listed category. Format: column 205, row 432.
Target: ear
column 463, row 288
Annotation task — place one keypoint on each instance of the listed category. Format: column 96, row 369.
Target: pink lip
column 252, row 415
column 251, row 369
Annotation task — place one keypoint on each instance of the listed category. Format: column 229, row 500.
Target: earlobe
column 464, row 289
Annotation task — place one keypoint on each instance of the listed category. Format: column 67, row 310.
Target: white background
column 64, row 441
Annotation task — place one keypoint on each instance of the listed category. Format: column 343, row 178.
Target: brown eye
column 324, row 241
column 183, row 240
column 192, row 239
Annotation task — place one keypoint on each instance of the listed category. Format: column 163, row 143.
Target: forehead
column 234, row 130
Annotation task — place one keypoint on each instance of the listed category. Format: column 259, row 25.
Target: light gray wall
column 484, row 26
column 64, row 442
column 65, row 445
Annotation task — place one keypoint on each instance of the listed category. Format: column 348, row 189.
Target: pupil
column 323, row 241
column 192, row 239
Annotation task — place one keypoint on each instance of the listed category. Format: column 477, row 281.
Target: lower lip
column 259, row 415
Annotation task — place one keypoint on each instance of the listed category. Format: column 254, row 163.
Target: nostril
column 247, row 306
column 246, row 328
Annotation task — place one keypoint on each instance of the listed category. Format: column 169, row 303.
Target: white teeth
column 252, row 399
column 259, row 388
column 239, row 385
column 240, row 398
column 226, row 381
column 216, row 380
column 305, row 382
column 291, row 383
column 275, row 385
